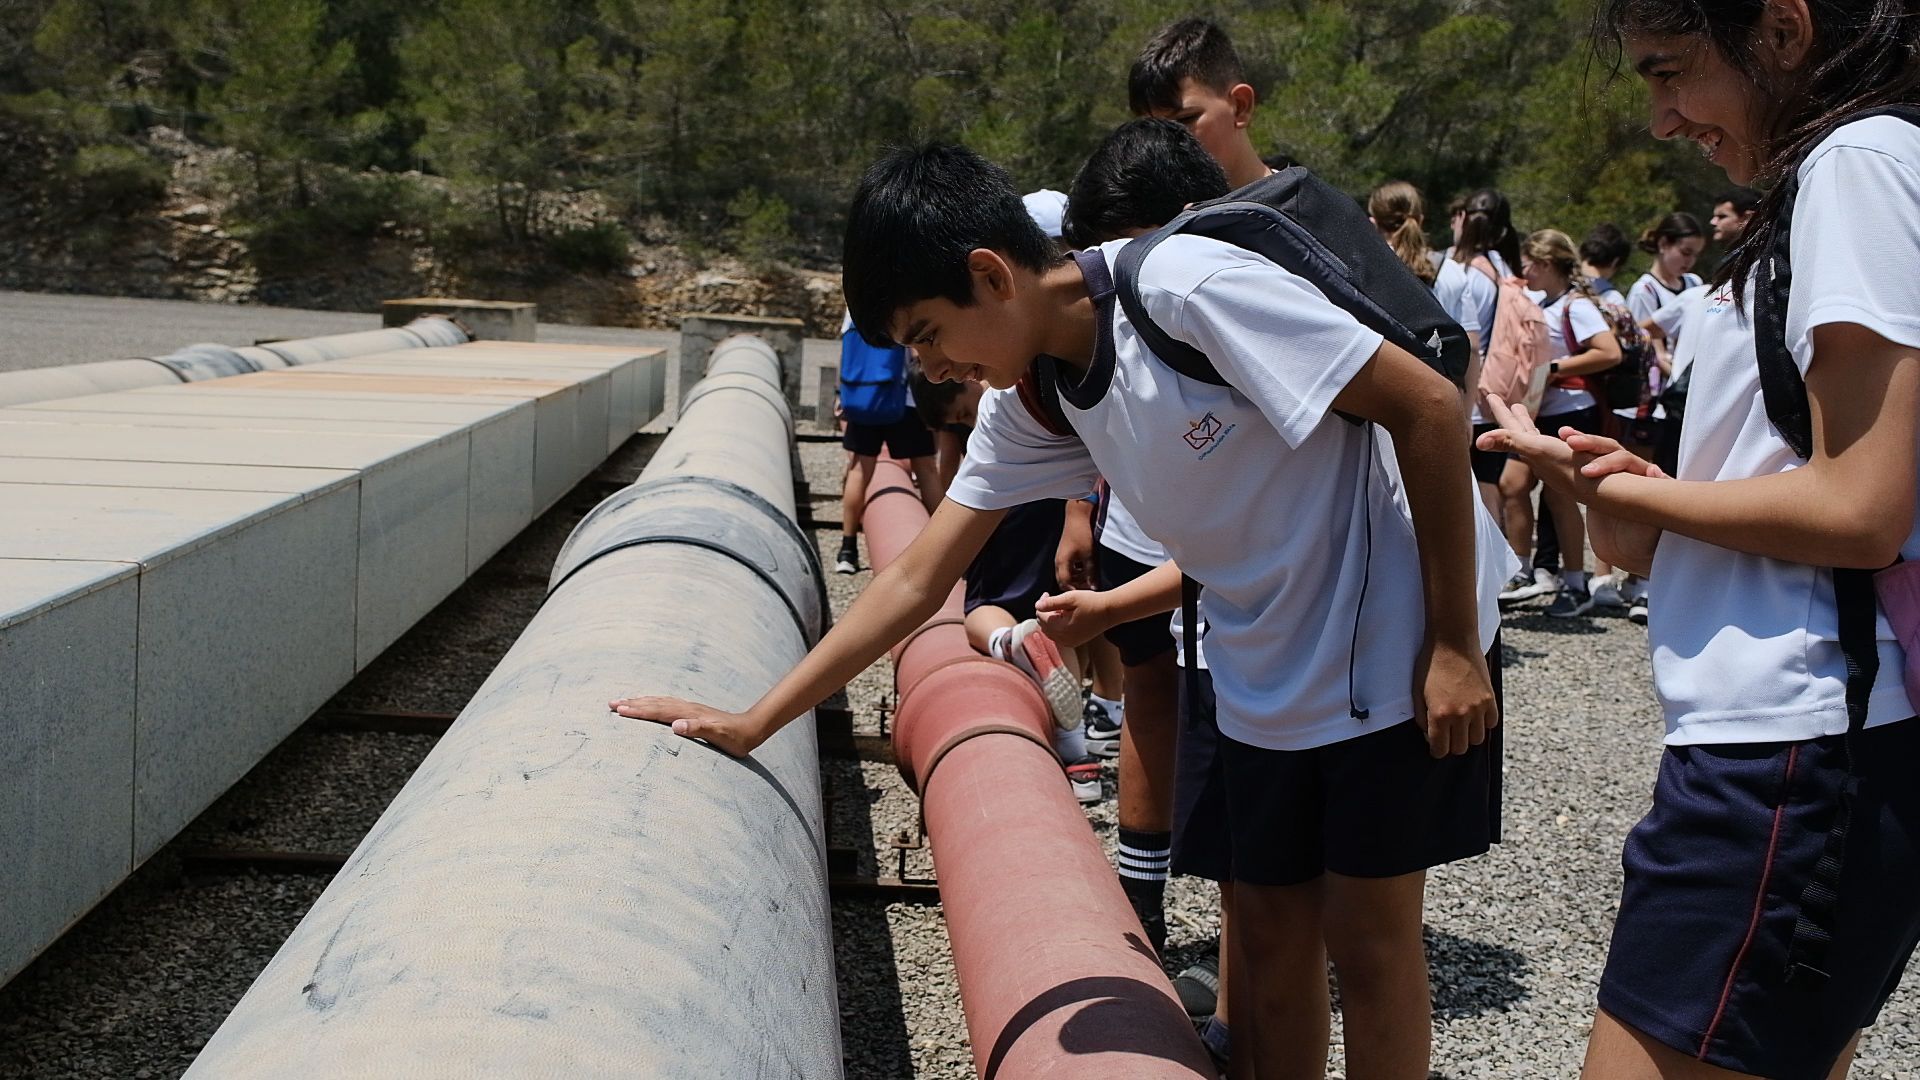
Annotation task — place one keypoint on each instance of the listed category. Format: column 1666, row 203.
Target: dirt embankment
column 187, row 244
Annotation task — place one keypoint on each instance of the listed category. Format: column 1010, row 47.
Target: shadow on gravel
column 1472, row 978
column 1541, row 623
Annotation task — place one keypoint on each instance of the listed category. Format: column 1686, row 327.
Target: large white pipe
column 208, row 361
column 561, row 892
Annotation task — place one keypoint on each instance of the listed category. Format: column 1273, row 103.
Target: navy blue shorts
column 1714, row 877
column 1142, row 639
column 1375, row 806
column 1487, row 464
column 907, row 437
column 1015, row 568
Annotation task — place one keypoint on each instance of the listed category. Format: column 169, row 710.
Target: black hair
column 1489, row 227
column 1140, row 177
column 1605, row 245
column 932, row 400
column 1279, row 160
column 1866, row 53
column 917, row 215
column 1673, row 228
column 1193, row 48
column 1744, row 200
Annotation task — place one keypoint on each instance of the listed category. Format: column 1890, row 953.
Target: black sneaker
column 1570, row 604
column 1199, row 986
column 849, row 560
column 1637, row 612
column 1103, row 731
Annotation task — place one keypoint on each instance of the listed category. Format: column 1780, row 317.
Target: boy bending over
column 1345, row 614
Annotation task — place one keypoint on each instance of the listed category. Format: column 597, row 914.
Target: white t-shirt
column 1120, row 533
column 1587, row 322
column 1450, row 288
column 1647, row 296
column 1748, row 650
column 1284, row 512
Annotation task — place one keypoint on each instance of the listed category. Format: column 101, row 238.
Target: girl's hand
column 1610, row 457
column 1555, row 462
column 1073, row 618
column 736, row 734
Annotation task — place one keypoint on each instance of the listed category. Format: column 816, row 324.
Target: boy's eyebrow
column 913, row 332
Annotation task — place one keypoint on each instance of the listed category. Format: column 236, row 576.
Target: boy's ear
column 991, row 274
column 1244, row 99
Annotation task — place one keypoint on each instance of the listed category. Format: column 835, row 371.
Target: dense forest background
column 566, row 130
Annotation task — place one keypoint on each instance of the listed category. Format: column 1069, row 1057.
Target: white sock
column 1114, row 708
column 1573, row 579
column 997, row 642
column 1070, row 744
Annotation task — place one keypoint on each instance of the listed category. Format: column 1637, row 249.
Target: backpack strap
column 1176, row 354
column 1190, row 638
column 1784, row 390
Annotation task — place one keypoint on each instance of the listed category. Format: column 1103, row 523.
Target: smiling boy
column 1346, row 614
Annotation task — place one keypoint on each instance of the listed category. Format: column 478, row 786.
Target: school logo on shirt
column 1207, row 434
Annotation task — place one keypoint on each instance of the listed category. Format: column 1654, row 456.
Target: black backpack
column 1305, row 226
column 1785, row 393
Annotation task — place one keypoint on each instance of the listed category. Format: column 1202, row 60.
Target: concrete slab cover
column 240, row 642
column 323, row 380
column 413, row 542
column 194, row 476
column 67, row 641
column 31, row 586
column 132, row 525
column 343, row 424
column 324, row 449
column 287, row 405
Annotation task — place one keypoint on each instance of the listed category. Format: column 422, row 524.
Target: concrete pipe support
column 562, row 892
column 1056, row 975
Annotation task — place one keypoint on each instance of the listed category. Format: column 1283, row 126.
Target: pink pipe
column 1056, row 976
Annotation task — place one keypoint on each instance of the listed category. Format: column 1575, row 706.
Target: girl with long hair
column 1772, row 893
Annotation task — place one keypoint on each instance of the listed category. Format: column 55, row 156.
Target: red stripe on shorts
column 1759, row 904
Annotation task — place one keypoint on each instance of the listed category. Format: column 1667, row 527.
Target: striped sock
column 1144, row 856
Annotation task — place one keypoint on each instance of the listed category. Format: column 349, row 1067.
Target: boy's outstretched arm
column 899, row 598
column 1423, row 414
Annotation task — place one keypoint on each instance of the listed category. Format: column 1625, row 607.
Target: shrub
column 117, row 180
column 762, row 227
column 600, row 248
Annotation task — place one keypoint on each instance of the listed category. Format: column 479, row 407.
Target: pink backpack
column 1517, row 360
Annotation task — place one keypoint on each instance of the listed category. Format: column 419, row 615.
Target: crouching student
column 1345, row 613
column 1014, row 569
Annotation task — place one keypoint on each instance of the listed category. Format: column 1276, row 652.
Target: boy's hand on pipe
column 736, row 734
column 1073, row 618
column 1453, row 699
